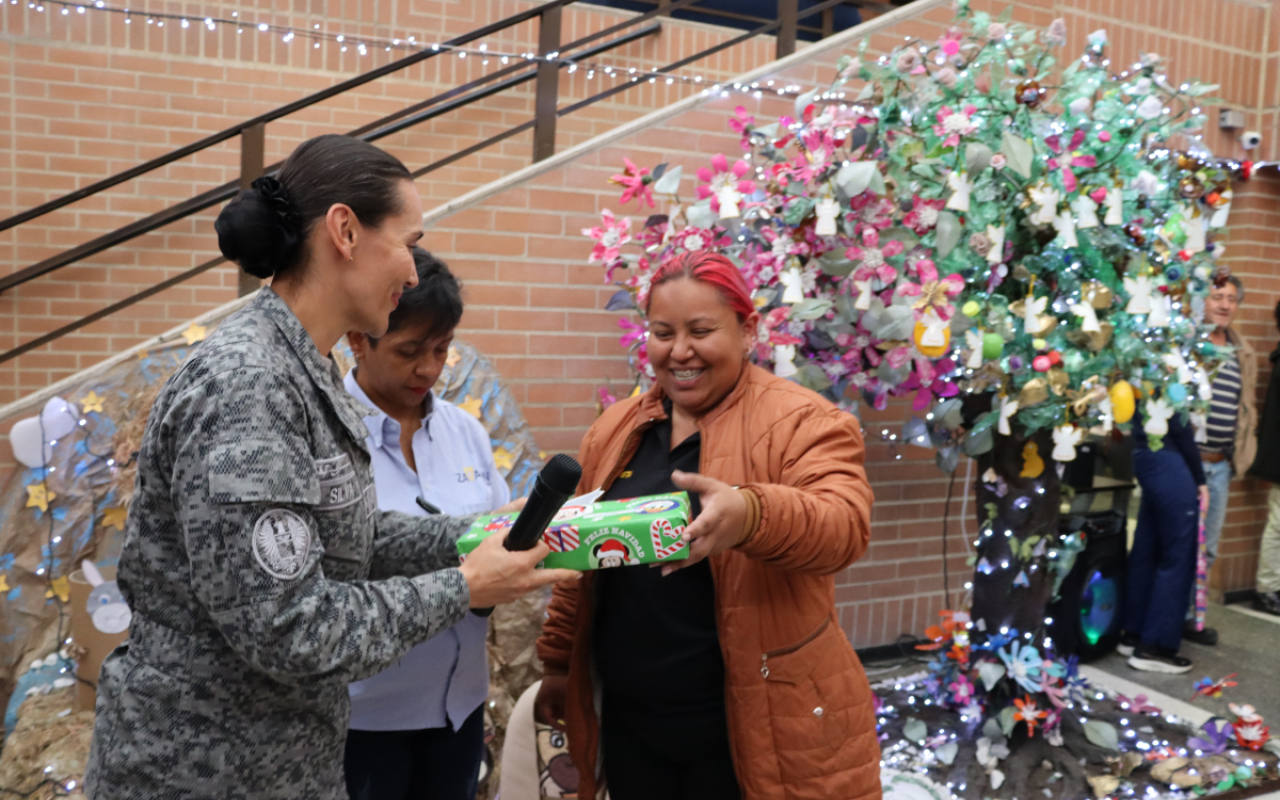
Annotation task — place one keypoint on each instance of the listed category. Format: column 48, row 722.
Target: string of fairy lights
column 364, row 45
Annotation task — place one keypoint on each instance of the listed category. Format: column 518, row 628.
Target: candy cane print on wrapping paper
column 561, row 538
column 661, row 529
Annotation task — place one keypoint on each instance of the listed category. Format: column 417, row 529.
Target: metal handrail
column 543, row 125
column 371, row 132
column 270, row 116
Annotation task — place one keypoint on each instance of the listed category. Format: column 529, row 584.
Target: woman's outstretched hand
column 720, row 526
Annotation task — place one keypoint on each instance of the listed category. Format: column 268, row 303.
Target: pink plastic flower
column 770, row 332
column 721, row 176
column 692, row 238
column 872, row 211
column 633, row 332
column 954, row 124
column 949, row 44
column 923, row 215
column 926, row 383
column 610, row 237
column 871, row 254
column 742, row 122
column 932, row 292
column 635, row 182
column 1068, row 158
column 961, row 690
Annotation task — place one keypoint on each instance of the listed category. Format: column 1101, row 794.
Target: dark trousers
column 429, row 764
column 1162, row 562
column 648, row 761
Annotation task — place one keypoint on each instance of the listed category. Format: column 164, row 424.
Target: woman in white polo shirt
column 417, row 728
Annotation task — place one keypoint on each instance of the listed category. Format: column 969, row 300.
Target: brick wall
column 86, row 96
column 533, row 301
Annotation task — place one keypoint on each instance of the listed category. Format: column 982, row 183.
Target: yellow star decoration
column 4, row 583
column 453, row 358
column 115, row 517
column 61, row 587
column 195, row 333
column 503, row 460
column 39, row 496
column 471, row 405
column 91, row 402
column 142, row 355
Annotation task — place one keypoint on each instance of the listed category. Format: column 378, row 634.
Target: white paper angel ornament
column 1157, row 413
column 1174, row 361
column 958, row 180
column 794, row 283
column 1139, row 290
column 728, row 197
column 1046, row 197
column 1065, row 439
column 995, row 233
column 1065, row 225
column 784, row 360
column 1159, row 316
column 1032, row 308
column 827, row 210
column 1008, row 407
column 864, row 294
column 1088, row 317
column 973, row 338
column 1086, row 212
column 1115, row 207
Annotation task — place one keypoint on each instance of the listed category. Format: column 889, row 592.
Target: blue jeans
column 1162, row 562
column 1218, row 477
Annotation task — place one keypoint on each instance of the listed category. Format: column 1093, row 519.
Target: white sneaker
column 1157, row 659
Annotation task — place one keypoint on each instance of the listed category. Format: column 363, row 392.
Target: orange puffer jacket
column 800, row 713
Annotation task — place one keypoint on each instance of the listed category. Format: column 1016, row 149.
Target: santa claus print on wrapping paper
column 612, row 553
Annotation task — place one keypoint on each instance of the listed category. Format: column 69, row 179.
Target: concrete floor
column 1248, row 644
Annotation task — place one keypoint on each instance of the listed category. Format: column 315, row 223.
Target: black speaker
column 1087, row 616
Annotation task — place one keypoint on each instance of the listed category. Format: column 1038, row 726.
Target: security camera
column 1250, row 139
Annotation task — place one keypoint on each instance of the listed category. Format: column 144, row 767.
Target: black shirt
column 657, row 648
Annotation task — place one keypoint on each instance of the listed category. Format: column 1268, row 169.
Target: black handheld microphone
column 556, row 483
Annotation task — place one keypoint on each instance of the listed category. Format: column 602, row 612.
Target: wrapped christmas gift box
column 603, row 534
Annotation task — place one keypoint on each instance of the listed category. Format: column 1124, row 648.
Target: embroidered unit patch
column 281, row 542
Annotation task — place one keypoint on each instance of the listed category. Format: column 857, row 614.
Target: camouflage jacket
column 262, row 577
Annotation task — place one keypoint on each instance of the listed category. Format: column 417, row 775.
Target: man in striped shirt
column 1227, row 442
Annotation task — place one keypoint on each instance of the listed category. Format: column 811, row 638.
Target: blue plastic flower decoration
column 1023, row 665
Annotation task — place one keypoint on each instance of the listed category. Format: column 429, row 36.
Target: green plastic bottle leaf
column 1102, row 734
column 977, row 157
column 914, row 730
column 948, row 233
column 947, row 753
column 1007, row 721
column 990, row 673
column 1018, row 153
column 855, row 177
column 669, row 183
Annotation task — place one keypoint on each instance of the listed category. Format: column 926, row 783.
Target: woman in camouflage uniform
column 262, row 576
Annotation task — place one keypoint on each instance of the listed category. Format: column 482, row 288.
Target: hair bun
column 259, row 229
